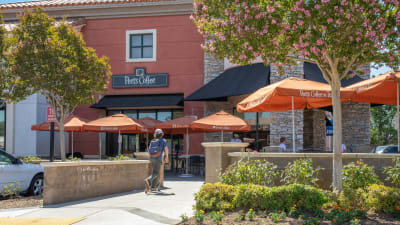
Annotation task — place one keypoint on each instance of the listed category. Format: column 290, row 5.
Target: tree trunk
column 337, row 134
column 62, row 141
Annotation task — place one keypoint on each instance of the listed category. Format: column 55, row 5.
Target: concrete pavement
column 126, row 208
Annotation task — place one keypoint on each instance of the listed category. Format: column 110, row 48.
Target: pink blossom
column 317, row 6
column 319, row 42
column 329, row 20
column 273, row 21
column 255, row 54
column 325, row 1
column 352, row 74
column 300, row 22
column 392, row 75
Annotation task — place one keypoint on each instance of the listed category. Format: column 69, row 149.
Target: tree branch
column 348, row 67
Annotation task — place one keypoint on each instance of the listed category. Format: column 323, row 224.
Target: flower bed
column 250, row 198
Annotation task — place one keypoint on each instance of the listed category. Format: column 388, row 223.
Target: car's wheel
column 36, row 187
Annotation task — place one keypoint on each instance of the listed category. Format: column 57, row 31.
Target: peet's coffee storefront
column 160, row 106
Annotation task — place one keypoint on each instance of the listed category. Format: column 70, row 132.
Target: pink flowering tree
column 339, row 36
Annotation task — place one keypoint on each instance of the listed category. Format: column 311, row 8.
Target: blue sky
column 373, row 71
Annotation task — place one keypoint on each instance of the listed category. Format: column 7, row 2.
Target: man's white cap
column 158, row 131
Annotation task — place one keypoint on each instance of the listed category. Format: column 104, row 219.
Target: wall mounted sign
column 140, row 79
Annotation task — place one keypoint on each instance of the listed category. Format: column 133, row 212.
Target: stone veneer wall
column 281, row 125
column 212, row 68
column 310, row 124
column 356, row 120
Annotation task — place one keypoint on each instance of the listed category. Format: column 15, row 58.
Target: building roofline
column 129, row 8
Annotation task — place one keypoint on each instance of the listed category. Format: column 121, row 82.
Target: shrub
column 30, row 159
column 353, row 198
column 199, row 216
column 340, row 215
column 250, row 172
column 11, row 190
column 277, row 216
column 227, row 197
column 250, row 196
column 217, row 216
column 358, row 175
column 393, row 172
column 120, row 157
column 215, row 197
column 300, row 171
column 251, row 214
column 384, row 199
column 306, row 198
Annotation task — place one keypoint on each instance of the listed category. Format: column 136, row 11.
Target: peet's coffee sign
column 140, row 79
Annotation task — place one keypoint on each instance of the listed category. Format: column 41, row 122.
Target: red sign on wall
column 51, row 116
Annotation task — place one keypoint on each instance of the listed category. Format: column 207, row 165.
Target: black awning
column 236, row 81
column 312, row 72
column 116, row 101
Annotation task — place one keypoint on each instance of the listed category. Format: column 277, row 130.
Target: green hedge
column 383, row 199
column 227, row 197
column 215, row 197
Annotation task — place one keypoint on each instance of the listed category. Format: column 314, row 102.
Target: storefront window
column 2, row 128
column 263, row 128
column 131, row 113
column 147, row 113
column 177, row 113
column 164, row 115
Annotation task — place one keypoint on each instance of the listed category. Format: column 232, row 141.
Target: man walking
column 157, row 149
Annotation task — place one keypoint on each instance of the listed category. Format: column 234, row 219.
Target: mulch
column 372, row 219
column 21, row 202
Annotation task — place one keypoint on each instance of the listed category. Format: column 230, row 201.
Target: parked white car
column 29, row 176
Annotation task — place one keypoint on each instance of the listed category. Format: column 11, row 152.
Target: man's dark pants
column 153, row 179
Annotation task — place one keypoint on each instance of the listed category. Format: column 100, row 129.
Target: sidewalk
column 126, row 208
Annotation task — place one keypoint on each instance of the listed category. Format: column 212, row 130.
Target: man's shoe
column 147, row 186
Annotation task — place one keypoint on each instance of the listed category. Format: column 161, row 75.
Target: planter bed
column 229, row 219
column 21, row 202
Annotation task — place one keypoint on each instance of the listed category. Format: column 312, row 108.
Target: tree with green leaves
column 55, row 61
column 383, row 131
column 340, row 36
column 12, row 88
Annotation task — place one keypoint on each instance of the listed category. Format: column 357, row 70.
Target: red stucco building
column 155, row 56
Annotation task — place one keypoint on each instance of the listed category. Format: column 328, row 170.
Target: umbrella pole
column 222, row 135
column 294, row 139
column 147, row 142
column 100, row 145
column 398, row 118
column 119, row 143
column 187, row 156
column 72, row 142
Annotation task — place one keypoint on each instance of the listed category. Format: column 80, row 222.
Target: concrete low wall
column 71, row 181
column 216, row 157
column 322, row 160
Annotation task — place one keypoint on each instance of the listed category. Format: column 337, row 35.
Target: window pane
column 147, row 113
column 164, row 115
column 4, row 159
column 177, row 114
column 147, row 52
column 131, row 113
column 113, row 112
column 136, row 53
column 148, row 39
column 136, row 40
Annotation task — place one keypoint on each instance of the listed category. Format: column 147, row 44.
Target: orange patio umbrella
column 220, row 121
column 72, row 123
column 151, row 126
column 290, row 94
column 116, row 124
column 383, row 89
column 180, row 125
column 150, row 123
